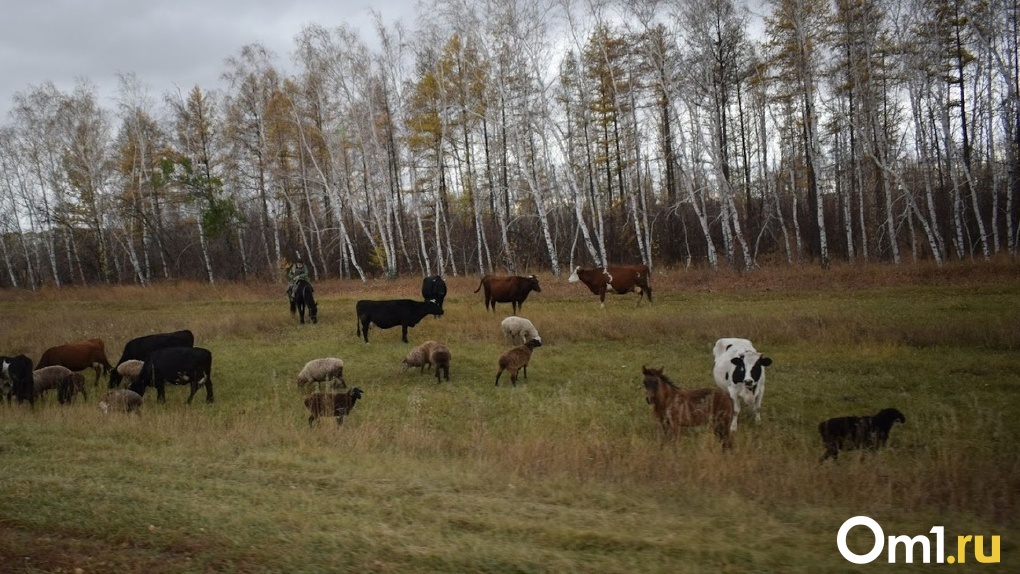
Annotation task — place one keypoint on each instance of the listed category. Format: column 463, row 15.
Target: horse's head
column 652, row 379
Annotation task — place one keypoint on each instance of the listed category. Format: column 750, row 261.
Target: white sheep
column 326, row 370
column 121, row 400
column 129, row 370
column 518, row 330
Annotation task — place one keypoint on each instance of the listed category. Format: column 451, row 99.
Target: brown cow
column 78, row 356
column 676, row 409
column 620, row 280
column 508, row 289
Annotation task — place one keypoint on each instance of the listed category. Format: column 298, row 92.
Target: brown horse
column 675, row 408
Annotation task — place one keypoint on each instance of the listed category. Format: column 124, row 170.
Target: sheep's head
column 532, row 343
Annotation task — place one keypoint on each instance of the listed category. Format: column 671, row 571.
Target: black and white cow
column 176, row 366
column 139, row 348
column 433, row 288
column 740, row 371
column 16, row 379
column 386, row 314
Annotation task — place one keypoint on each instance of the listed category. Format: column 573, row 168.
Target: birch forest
column 514, row 136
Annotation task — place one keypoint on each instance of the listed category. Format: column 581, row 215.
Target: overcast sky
column 166, row 44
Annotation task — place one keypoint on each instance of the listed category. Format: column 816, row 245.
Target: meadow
column 564, row 472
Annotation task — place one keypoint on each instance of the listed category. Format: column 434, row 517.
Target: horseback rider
column 295, row 273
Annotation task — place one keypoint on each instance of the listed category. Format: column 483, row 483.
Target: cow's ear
column 737, row 361
column 764, row 361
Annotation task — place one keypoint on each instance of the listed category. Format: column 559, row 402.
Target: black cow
column 16, row 379
column 177, row 366
column 386, row 314
column 140, row 347
column 433, row 288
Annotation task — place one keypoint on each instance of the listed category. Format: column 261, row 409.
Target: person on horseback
column 296, row 272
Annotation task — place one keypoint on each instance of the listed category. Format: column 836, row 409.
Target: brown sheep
column 338, row 405
column 440, row 357
column 516, row 359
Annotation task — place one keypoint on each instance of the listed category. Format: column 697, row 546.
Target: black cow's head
column 433, row 308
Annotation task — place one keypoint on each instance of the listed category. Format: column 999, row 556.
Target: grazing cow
column 433, row 288
column 337, row 405
column 620, row 280
column 848, row 433
column 386, row 314
column 16, row 379
column 740, row 370
column 508, row 289
column 676, row 409
column 140, row 347
column 90, row 354
column 176, row 366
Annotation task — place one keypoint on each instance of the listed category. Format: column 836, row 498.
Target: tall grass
column 564, row 472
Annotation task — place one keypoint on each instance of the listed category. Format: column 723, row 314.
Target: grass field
column 563, row 473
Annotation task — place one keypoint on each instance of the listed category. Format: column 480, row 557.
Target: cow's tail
column 480, row 283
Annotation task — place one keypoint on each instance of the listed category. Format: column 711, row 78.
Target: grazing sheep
column 515, row 359
column 51, row 377
column 440, row 357
column 848, row 433
column 338, row 405
column 518, row 330
column 75, row 384
column 328, row 370
column 123, row 400
column 129, row 370
column 420, row 356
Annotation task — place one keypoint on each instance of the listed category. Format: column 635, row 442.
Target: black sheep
column 849, row 433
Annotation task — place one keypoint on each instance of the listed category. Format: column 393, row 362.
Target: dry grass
column 562, row 473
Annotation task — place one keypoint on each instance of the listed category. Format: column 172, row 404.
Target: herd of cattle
column 172, row 358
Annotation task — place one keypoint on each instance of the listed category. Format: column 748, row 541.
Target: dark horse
column 303, row 298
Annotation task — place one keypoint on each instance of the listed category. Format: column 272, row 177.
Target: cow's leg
column 757, row 402
column 208, row 388
column 364, row 329
column 735, row 397
column 403, row 333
